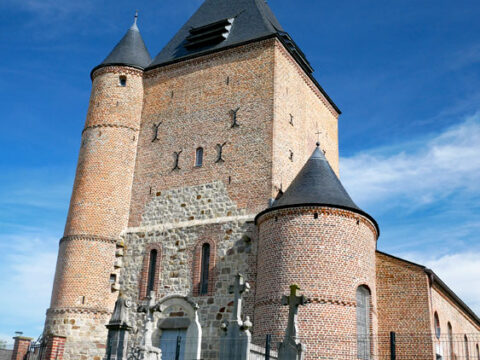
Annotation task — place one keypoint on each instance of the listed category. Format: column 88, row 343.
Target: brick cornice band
column 321, row 210
column 117, row 70
column 104, row 239
column 110, row 126
column 78, row 310
column 314, row 300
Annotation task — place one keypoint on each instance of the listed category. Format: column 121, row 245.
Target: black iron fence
column 36, row 351
column 391, row 346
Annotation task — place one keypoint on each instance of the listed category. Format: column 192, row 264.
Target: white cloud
column 433, row 170
column 459, row 271
column 28, row 265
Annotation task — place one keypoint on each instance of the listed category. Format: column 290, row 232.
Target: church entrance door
column 168, row 343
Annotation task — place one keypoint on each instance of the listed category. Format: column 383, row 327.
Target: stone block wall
column 178, row 221
column 328, row 253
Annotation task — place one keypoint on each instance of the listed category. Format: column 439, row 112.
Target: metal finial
column 136, row 17
column 318, row 143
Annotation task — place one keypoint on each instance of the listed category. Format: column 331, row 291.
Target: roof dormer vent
column 210, row 34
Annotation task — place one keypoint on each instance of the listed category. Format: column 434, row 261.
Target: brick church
column 220, row 156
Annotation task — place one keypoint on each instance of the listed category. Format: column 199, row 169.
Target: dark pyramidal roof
column 250, row 20
column 317, row 184
column 130, row 51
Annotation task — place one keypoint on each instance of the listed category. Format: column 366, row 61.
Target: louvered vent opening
column 295, row 51
column 209, row 34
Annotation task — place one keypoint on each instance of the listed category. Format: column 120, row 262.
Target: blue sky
column 405, row 74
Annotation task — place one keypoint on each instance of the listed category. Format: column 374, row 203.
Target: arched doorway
column 178, row 325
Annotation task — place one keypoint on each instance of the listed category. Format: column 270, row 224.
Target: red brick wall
column 193, row 100
column 98, row 211
column 20, row 348
column 55, row 348
column 296, row 95
column 462, row 324
column 328, row 257
column 403, row 307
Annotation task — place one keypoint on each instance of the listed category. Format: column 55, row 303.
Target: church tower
column 179, row 154
column 86, row 278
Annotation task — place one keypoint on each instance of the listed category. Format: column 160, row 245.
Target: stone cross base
column 149, row 353
column 289, row 350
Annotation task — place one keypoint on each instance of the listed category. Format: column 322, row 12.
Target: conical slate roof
column 130, row 51
column 317, row 184
column 249, row 20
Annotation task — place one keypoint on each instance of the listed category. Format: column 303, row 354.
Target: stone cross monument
column 291, row 348
column 146, row 351
column 236, row 339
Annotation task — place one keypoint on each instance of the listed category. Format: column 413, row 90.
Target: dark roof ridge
column 268, row 16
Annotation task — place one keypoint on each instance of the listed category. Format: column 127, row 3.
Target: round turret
column 315, row 236
column 86, row 278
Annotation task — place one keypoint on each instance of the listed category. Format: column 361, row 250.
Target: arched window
column 199, row 157
column 438, row 330
column 205, row 269
column 363, row 323
column 450, row 341
column 465, row 340
column 478, row 352
column 151, row 271
column 150, row 275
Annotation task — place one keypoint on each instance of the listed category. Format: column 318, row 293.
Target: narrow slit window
column 450, row 341
column 113, row 279
column 478, row 352
column 151, row 271
column 467, row 354
column 123, row 80
column 205, row 269
column 199, row 157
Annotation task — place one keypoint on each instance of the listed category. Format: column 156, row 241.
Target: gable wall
column 403, row 307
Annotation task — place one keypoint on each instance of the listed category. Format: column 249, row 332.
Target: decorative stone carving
column 236, row 339
column 118, row 330
column 146, row 351
column 291, row 348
